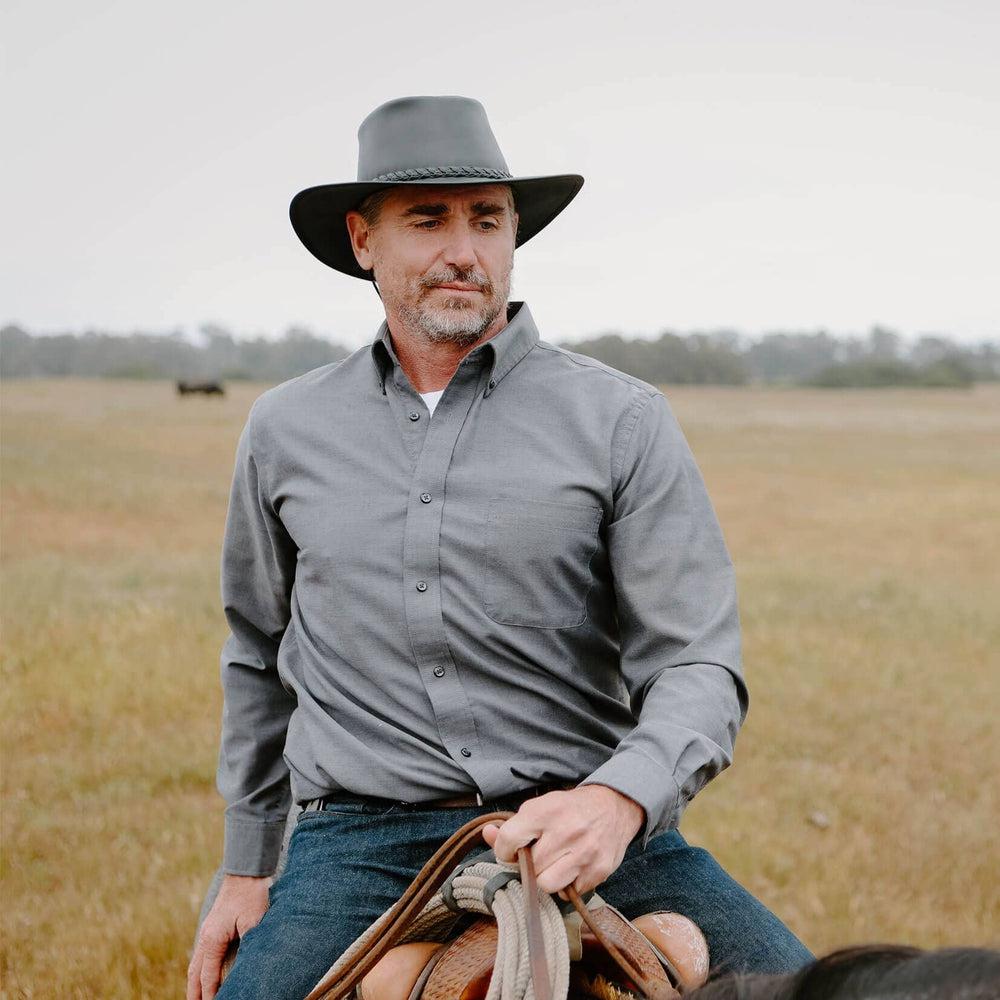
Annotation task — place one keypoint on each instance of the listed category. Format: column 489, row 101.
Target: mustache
column 458, row 276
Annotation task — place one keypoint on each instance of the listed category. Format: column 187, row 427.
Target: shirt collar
column 500, row 353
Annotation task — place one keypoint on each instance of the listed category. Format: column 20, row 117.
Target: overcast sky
column 756, row 165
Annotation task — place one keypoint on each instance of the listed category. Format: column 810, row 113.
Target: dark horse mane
column 875, row 971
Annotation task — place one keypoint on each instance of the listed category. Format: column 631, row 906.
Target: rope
column 511, row 979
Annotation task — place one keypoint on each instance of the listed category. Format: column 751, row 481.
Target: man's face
column 442, row 257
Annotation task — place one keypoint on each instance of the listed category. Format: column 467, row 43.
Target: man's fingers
column 206, row 969
column 516, row 832
column 210, row 975
column 194, row 976
column 238, row 907
column 546, row 850
column 498, row 850
column 562, row 872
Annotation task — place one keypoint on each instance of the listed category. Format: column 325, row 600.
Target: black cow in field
column 206, row 388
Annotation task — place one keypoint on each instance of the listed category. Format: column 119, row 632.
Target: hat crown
column 414, row 137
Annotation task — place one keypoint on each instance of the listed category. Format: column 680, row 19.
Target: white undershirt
column 431, row 399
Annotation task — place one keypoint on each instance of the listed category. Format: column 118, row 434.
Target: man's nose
column 459, row 250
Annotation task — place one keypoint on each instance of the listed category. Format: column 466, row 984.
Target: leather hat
column 422, row 140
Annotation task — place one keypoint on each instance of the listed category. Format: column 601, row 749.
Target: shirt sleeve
column 678, row 624
column 258, row 570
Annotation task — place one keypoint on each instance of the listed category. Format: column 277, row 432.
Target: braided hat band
column 426, row 173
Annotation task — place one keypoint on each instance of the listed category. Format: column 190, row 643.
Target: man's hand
column 240, row 904
column 580, row 835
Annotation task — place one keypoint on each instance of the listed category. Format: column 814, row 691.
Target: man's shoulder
column 594, row 374
column 289, row 397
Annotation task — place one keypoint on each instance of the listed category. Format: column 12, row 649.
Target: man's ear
column 360, row 234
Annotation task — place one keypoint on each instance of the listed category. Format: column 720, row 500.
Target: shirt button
column 439, row 671
column 421, row 586
column 426, row 497
column 466, row 752
column 493, row 383
column 414, row 415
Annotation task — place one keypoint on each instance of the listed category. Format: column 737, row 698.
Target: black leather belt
column 512, row 799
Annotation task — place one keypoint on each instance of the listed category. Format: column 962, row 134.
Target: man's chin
column 461, row 337
column 466, row 324
column 447, row 307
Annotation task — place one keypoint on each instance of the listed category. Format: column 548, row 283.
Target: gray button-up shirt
column 531, row 586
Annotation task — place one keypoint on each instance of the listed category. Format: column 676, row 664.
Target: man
column 514, row 597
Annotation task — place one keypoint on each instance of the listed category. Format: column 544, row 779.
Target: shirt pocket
column 536, row 570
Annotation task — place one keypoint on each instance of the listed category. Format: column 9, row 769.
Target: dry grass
column 863, row 525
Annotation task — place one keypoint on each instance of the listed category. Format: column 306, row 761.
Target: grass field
column 865, row 528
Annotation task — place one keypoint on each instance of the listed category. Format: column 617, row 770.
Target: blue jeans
column 348, row 864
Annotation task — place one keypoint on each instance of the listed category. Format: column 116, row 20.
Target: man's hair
column 371, row 208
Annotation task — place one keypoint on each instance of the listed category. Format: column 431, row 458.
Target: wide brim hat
column 422, row 141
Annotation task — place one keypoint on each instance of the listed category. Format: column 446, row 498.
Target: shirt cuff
column 252, row 847
column 639, row 777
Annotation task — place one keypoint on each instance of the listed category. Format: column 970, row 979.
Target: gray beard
column 462, row 325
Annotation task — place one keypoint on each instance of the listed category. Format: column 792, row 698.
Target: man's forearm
column 684, row 737
column 252, row 776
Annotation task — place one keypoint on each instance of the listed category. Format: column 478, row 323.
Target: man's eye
column 428, row 223
column 489, row 225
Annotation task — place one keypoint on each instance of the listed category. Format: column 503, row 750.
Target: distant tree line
column 726, row 357
column 219, row 355
column 718, row 357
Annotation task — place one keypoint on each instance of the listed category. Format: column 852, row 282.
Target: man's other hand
column 240, row 904
column 580, row 835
